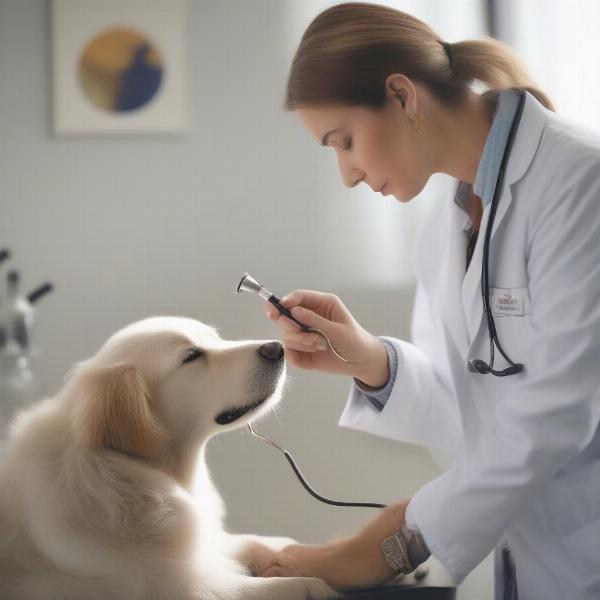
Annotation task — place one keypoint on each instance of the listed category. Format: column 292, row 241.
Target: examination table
column 434, row 586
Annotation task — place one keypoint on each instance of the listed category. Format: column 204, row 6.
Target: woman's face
column 380, row 147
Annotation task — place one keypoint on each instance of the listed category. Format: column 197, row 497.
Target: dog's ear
column 111, row 410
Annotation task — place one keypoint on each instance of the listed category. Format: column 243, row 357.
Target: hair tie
column 448, row 51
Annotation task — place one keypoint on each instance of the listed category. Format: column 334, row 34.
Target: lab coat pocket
column 584, row 547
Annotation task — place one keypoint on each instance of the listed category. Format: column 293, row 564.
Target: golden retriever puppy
column 104, row 491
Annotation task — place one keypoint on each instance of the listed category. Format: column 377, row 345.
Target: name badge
column 509, row 302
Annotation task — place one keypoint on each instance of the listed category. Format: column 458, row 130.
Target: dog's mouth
column 229, row 416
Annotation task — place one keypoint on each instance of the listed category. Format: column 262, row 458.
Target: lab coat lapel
column 440, row 264
column 471, row 287
column 524, row 147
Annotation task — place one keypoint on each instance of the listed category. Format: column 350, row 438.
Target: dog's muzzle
column 229, row 416
column 272, row 358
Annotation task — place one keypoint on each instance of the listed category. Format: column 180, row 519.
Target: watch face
column 396, row 554
column 406, row 550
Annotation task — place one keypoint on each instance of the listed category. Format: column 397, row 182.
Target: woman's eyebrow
column 324, row 141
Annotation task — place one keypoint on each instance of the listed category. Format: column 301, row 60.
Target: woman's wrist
column 375, row 371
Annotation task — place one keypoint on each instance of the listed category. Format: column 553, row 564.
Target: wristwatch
column 405, row 550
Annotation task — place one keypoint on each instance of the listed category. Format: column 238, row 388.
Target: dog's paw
column 256, row 552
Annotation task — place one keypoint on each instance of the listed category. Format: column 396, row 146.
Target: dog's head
column 171, row 378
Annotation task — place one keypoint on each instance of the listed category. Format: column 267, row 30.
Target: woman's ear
column 111, row 410
column 402, row 90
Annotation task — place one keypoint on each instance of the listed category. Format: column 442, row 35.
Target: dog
column 104, row 489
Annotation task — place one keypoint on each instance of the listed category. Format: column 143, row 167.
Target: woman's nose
column 351, row 180
column 351, row 176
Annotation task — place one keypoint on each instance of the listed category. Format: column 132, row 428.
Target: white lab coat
column 527, row 447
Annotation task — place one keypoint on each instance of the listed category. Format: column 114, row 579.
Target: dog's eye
column 192, row 354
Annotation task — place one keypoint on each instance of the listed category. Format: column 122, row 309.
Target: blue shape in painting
column 139, row 81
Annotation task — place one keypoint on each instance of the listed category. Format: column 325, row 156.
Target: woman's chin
column 404, row 197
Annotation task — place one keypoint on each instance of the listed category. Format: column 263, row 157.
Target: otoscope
column 249, row 284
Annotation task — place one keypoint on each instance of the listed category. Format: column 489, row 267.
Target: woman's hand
column 346, row 564
column 366, row 355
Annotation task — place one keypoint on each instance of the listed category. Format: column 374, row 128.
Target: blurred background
column 132, row 225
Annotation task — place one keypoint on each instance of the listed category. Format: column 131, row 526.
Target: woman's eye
column 192, row 354
column 348, row 143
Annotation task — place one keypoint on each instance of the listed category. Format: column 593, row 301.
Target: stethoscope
column 477, row 365
column 249, row 284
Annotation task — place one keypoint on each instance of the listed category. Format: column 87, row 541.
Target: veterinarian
column 512, row 391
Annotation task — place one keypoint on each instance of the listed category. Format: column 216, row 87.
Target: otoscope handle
column 274, row 300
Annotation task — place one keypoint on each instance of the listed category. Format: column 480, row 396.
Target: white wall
column 558, row 41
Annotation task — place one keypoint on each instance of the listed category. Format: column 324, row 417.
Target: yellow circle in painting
column 120, row 70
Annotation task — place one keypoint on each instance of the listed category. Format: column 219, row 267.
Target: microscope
column 19, row 387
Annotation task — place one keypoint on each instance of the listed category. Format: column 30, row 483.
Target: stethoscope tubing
column 485, row 288
column 420, row 571
column 305, row 483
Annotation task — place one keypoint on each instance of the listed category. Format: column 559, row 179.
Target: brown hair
column 350, row 49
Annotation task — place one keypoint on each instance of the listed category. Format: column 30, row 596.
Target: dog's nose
column 271, row 350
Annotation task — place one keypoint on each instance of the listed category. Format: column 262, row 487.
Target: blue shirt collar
column 491, row 157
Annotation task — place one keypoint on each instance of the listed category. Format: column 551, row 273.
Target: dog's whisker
column 277, row 418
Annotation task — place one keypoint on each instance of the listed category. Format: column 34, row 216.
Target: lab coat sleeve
column 553, row 408
column 421, row 407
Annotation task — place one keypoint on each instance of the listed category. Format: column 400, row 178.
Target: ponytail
column 348, row 51
column 495, row 64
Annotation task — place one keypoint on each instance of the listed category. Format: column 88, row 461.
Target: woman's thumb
column 310, row 318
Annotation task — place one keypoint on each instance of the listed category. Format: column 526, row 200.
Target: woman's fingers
column 300, row 358
column 295, row 342
column 309, row 342
column 273, row 314
column 274, row 571
column 310, row 299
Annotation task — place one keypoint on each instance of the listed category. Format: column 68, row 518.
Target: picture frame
column 118, row 67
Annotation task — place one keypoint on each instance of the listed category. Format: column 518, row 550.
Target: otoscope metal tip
column 248, row 284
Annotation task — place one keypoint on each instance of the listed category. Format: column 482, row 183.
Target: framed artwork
column 119, row 67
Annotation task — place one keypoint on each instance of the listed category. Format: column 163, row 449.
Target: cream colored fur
column 105, row 493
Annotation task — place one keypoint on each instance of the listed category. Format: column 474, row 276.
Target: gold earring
column 419, row 119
